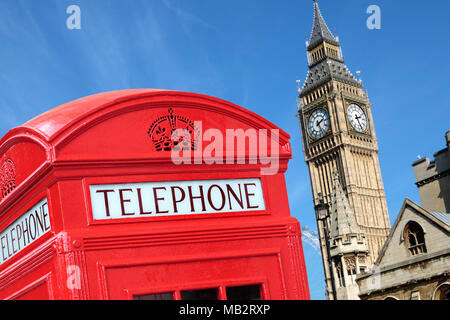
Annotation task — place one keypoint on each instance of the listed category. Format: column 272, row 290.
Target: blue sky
column 248, row 52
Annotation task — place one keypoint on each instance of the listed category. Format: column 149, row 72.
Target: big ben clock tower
column 341, row 153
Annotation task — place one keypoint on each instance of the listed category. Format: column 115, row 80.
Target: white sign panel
column 154, row 199
column 25, row 230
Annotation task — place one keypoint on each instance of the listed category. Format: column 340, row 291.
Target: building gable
column 436, row 235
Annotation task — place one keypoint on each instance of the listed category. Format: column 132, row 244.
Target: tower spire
column 320, row 31
column 348, row 249
column 325, row 59
column 343, row 220
column 352, row 217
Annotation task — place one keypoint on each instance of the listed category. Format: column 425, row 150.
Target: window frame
column 415, row 230
column 221, row 289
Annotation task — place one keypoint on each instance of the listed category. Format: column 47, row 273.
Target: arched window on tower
column 442, row 292
column 414, row 238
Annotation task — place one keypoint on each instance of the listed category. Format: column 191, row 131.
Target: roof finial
column 358, row 72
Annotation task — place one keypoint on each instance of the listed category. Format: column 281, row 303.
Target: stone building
column 414, row 263
column 348, row 249
column 338, row 133
column 433, row 179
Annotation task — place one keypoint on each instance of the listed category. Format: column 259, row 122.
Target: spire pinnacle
column 320, row 31
column 343, row 220
column 325, row 59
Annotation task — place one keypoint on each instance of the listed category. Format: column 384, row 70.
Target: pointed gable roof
column 435, row 220
column 320, row 31
column 343, row 219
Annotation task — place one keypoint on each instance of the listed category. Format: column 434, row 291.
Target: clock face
column 357, row 118
column 319, row 123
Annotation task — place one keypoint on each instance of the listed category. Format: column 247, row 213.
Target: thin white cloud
column 183, row 14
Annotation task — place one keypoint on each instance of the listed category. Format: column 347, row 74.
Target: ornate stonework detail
column 362, row 260
column 350, row 262
column 173, row 132
column 338, row 266
column 7, row 177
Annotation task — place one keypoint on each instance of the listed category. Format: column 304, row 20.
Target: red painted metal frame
column 101, row 139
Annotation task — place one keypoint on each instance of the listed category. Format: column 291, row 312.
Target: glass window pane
column 155, row 296
column 204, row 294
column 252, row 292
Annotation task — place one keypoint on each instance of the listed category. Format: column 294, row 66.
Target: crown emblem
column 173, row 132
column 7, row 177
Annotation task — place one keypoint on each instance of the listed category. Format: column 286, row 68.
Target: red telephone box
column 148, row 194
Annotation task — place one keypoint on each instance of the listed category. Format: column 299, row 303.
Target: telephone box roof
column 52, row 123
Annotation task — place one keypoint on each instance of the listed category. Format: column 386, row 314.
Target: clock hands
column 319, row 122
column 357, row 119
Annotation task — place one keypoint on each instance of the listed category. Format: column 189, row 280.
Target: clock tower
column 340, row 148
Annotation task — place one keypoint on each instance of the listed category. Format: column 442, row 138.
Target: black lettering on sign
column 25, row 230
column 151, row 199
